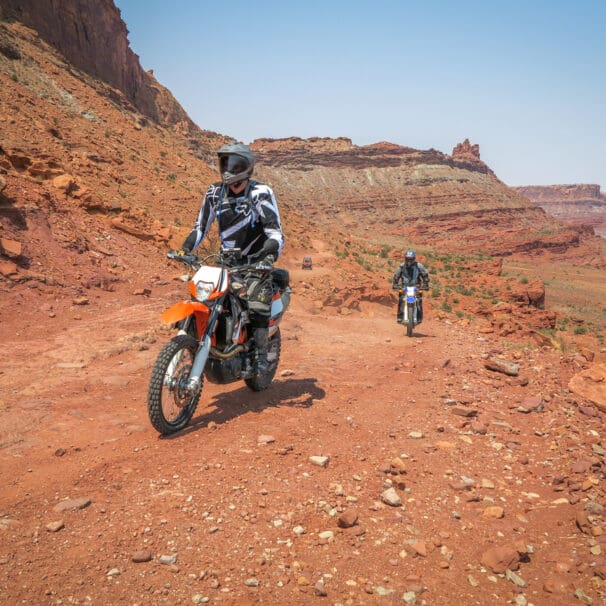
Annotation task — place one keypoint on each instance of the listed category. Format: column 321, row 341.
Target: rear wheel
column 261, row 382
column 170, row 405
column 411, row 320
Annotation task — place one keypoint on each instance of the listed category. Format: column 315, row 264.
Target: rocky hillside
column 579, row 204
column 86, row 176
column 453, row 202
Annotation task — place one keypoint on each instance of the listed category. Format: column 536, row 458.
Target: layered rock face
column 92, row 37
column 577, row 204
column 455, row 202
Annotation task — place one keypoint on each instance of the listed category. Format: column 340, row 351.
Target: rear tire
column 261, row 382
column 411, row 321
column 170, row 406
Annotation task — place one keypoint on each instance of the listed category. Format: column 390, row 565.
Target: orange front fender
column 181, row 310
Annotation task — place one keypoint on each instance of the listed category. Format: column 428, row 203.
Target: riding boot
column 261, row 337
column 420, row 311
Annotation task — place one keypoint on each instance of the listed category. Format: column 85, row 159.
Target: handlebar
column 188, row 258
column 193, row 261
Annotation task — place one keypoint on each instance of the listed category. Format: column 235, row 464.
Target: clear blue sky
column 525, row 79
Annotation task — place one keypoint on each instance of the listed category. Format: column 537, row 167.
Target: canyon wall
column 92, row 37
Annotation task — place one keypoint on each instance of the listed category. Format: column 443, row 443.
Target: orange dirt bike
column 214, row 338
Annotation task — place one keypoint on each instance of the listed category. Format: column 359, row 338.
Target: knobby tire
column 411, row 321
column 159, row 396
column 261, row 382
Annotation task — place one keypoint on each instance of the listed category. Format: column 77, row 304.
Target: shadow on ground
column 299, row 393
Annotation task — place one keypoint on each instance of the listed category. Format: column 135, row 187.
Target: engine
column 224, row 371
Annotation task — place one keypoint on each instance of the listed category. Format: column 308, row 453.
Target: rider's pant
column 260, row 292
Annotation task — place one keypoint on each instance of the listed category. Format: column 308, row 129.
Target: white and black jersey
column 245, row 221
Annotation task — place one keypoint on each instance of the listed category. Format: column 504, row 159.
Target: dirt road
column 232, row 510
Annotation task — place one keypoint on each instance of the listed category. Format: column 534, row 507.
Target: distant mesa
column 576, row 204
column 454, row 201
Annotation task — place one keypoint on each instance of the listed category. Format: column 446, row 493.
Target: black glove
column 425, row 286
column 270, row 249
column 395, row 287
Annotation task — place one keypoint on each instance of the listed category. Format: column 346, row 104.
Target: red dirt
column 351, row 387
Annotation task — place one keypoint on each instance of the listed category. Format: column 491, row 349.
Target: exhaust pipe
column 217, row 353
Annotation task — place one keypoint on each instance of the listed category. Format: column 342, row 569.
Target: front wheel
column 261, row 382
column 170, row 405
column 411, row 320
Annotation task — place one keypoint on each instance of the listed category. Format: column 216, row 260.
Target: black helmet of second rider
column 236, row 163
column 410, row 257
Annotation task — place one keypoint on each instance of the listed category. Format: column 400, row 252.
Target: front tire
column 411, row 321
column 170, row 406
column 261, row 382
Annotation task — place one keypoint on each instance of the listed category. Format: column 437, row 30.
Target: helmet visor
column 232, row 164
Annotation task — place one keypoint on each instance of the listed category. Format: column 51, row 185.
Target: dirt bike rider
column 410, row 273
column 248, row 219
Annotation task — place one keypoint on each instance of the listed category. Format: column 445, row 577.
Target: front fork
column 195, row 376
column 409, row 308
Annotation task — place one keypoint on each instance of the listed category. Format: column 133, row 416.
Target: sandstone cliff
column 92, row 37
column 455, row 202
column 579, row 204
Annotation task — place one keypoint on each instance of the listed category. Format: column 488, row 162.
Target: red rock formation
column 466, row 150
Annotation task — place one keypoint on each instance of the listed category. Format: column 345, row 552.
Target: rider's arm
column 205, row 219
column 423, row 274
column 269, row 215
column 397, row 277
